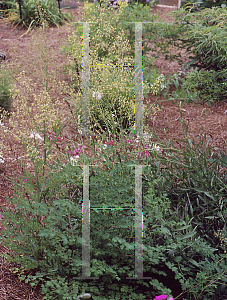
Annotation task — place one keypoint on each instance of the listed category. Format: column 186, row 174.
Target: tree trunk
column 20, row 2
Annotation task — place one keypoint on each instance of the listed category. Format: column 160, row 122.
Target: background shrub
column 130, row 2
column 112, row 103
column 4, row 6
column 144, row 2
column 5, row 93
column 195, row 5
column 207, row 86
column 36, row 13
column 204, row 39
column 202, row 35
column 121, row 20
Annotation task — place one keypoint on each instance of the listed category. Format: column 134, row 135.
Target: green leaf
column 194, row 262
column 188, row 235
column 184, row 227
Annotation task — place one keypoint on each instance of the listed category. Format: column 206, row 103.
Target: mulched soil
column 14, row 43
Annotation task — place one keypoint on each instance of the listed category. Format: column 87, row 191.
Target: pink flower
column 1, row 217
column 128, row 141
column 81, row 147
column 76, row 152
column 52, row 229
column 161, row 297
column 25, row 180
column 146, row 153
column 55, row 137
column 111, row 143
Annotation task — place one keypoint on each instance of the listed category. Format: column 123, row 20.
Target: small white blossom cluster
column 96, row 95
column 158, row 85
column 74, row 160
column 36, row 136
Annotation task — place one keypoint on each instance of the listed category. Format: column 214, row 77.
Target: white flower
column 80, row 131
column 146, row 136
column 156, row 148
column 104, row 146
column 96, row 95
column 85, row 296
column 1, row 160
column 2, row 125
column 36, row 136
column 74, row 160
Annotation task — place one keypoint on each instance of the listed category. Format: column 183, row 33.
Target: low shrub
column 5, row 93
column 207, row 86
column 123, row 18
column 46, row 231
column 4, row 6
column 204, row 39
column 36, row 13
column 195, row 5
column 201, row 34
column 195, row 179
column 144, row 2
column 117, row 3
column 112, row 104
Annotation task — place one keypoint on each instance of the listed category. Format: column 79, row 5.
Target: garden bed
column 15, row 41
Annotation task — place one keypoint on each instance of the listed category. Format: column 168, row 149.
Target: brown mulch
column 14, row 43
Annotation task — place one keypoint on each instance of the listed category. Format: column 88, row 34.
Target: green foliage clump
column 123, row 18
column 195, row 5
column 46, row 230
column 144, row 2
column 205, row 40
column 207, row 86
column 131, row 3
column 194, row 180
column 111, row 77
column 109, row 25
column 202, row 35
column 36, row 13
column 5, row 93
column 4, row 6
